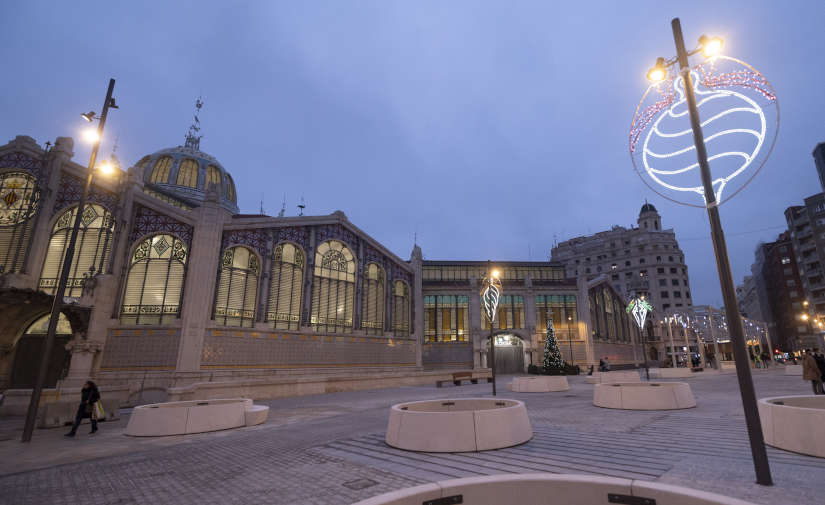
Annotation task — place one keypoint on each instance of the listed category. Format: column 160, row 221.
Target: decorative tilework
column 71, row 188
column 337, row 231
column 146, row 221
column 141, row 349
column 303, row 350
column 297, row 234
column 255, row 238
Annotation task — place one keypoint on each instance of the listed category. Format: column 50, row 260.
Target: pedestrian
column 88, row 408
column 601, row 364
column 820, row 362
column 757, row 361
column 606, row 364
column 811, row 372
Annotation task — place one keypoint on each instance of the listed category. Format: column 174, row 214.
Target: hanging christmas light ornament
column 490, row 295
column 639, row 308
column 740, row 121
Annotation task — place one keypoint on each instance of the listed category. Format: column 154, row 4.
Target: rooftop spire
column 193, row 140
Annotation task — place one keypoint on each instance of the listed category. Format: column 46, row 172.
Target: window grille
column 188, row 173
column 562, row 310
column 154, row 285
column 19, row 199
column 333, row 287
column 92, row 250
column 237, row 289
column 373, row 300
column 160, row 174
column 286, row 287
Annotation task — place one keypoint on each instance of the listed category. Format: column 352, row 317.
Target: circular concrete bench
column 465, row 425
column 613, row 377
column 794, row 423
column 793, row 370
column 671, row 373
column 539, row 384
column 644, row 396
column 543, row 488
column 197, row 416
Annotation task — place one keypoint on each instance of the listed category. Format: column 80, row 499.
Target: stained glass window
column 286, row 287
column 213, row 176
column 188, row 173
column 160, row 174
column 92, row 249
column 154, row 285
column 19, row 199
column 562, row 310
column 333, row 287
column 230, row 190
column 237, row 289
column 372, row 301
column 446, row 318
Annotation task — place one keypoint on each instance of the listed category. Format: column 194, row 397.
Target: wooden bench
column 457, row 379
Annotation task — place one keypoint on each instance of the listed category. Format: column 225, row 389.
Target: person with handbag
column 88, row 408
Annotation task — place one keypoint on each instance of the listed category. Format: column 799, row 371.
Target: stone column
column 201, row 276
column 80, row 368
column 478, row 336
column 530, row 321
column 417, row 319
column 672, row 348
column 585, row 325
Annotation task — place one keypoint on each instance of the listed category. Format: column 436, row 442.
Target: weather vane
column 193, row 140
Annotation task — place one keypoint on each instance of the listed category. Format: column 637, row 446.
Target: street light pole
column 57, row 304
column 743, row 372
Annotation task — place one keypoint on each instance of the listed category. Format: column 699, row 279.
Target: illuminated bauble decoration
column 639, row 308
column 739, row 116
column 490, row 296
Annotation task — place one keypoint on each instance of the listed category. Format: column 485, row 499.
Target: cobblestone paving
column 329, row 449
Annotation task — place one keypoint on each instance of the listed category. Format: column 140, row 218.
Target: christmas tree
column 552, row 355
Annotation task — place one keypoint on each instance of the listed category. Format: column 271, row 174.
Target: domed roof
column 647, row 207
column 187, row 172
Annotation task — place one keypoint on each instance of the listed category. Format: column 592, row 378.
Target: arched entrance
column 29, row 351
column 509, row 353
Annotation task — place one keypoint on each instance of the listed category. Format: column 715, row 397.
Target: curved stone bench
column 181, row 418
column 463, row 425
column 794, row 423
column 613, row 377
column 543, row 488
column 644, row 396
column 539, row 384
column 793, row 370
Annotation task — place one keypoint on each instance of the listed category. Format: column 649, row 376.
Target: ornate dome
column 647, row 207
column 187, row 172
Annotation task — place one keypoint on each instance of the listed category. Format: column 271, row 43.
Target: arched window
column 30, row 348
column 160, row 174
column 213, row 176
column 142, row 163
column 372, row 300
column 19, row 199
column 94, row 244
column 155, row 282
column 333, row 287
column 400, row 309
column 188, row 173
column 230, row 190
column 286, row 287
column 237, row 287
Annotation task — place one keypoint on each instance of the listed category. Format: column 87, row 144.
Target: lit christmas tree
column 552, row 355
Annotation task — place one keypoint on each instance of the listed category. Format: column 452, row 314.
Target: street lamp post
column 639, row 308
column 570, row 338
column 670, row 337
column 57, row 304
column 490, row 295
column 743, row 372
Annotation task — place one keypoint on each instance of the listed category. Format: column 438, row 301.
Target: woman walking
column 89, row 396
column 811, row 372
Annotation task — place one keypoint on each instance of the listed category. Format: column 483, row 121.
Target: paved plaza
column 329, row 449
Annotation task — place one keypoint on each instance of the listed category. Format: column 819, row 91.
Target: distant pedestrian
column 606, row 364
column 88, row 408
column 820, row 362
column 811, row 372
column 766, row 359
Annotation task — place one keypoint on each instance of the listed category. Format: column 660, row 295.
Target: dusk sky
column 490, row 129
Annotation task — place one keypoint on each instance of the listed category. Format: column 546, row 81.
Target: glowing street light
column 57, row 303
column 655, row 135
column 490, row 296
column 91, row 136
column 658, row 72
column 107, row 168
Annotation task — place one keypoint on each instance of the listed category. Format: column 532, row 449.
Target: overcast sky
column 488, row 128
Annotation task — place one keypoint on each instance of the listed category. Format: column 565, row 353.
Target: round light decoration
column 639, row 308
column 740, row 120
column 490, row 296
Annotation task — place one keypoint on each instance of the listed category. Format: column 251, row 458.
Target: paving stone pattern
column 329, row 449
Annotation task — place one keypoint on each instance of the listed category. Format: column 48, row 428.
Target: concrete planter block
column 465, row 425
column 644, row 396
column 256, row 415
column 180, row 418
column 541, row 489
column 53, row 415
column 539, row 384
column 793, row 370
column 794, row 423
